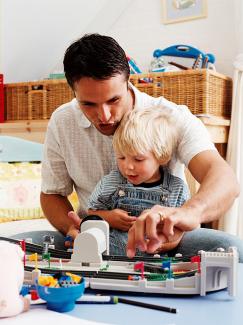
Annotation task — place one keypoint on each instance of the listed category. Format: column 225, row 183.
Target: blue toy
column 133, row 66
column 61, row 299
column 185, row 51
column 157, row 65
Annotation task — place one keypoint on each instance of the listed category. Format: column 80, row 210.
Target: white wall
column 36, row 33
column 239, row 25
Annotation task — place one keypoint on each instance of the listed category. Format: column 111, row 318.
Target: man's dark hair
column 95, row 56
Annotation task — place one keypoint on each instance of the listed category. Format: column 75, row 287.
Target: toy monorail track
column 57, row 253
column 109, row 274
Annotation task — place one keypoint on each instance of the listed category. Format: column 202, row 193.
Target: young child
column 143, row 145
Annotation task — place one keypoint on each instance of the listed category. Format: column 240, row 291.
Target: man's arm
column 217, row 192
column 218, row 186
column 56, row 208
column 218, row 189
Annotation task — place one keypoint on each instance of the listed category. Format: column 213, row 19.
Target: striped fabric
column 101, row 198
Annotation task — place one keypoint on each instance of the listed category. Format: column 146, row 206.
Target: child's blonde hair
column 142, row 130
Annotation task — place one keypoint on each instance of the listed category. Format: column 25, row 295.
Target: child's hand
column 120, row 219
column 117, row 218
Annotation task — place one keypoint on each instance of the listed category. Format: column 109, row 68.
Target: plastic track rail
column 35, row 248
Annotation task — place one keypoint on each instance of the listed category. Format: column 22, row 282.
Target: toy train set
column 205, row 272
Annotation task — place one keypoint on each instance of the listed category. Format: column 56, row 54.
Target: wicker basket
column 203, row 91
column 35, row 100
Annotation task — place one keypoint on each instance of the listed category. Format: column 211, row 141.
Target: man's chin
column 108, row 129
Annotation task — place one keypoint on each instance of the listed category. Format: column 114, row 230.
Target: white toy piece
column 11, row 280
column 91, row 243
column 225, row 263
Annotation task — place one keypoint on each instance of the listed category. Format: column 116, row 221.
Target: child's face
column 139, row 168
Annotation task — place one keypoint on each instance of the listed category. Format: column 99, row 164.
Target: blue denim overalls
column 135, row 199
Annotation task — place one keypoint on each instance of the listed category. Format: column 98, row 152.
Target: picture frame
column 175, row 11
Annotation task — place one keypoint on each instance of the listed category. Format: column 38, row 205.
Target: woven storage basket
column 203, row 91
column 35, row 100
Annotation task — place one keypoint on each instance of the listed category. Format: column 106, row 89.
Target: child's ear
column 164, row 161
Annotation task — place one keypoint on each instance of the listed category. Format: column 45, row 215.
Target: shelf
column 218, row 128
column 33, row 130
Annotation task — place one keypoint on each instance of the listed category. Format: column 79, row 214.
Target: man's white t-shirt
column 77, row 155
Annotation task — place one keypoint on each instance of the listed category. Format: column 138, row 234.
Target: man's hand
column 149, row 234
column 74, row 229
column 117, row 218
column 169, row 245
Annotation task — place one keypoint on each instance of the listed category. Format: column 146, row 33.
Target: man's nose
column 104, row 114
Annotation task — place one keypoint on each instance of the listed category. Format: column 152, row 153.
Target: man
column 78, row 152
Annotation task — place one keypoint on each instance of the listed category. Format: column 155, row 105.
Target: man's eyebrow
column 85, row 102
column 113, row 98
column 92, row 103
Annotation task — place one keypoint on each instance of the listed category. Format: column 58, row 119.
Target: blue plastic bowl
column 61, row 299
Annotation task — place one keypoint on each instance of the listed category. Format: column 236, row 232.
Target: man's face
column 104, row 102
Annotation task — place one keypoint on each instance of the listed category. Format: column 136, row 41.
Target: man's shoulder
column 69, row 114
column 64, row 109
column 62, row 115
